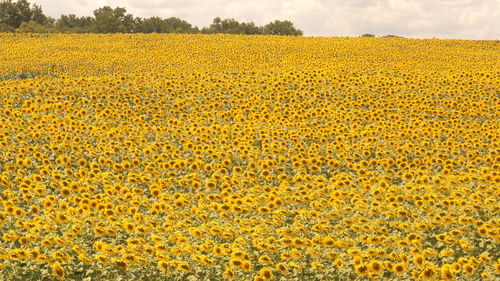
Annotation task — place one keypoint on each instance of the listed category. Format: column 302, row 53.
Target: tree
column 21, row 16
column 251, row 28
column 278, row 27
column 231, row 26
column 176, row 25
column 108, row 20
column 391, row 36
column 367, row 35
column 38, row 16
column 150, row 25
column 168, row 25
column 34, row 27
column 215, row 27
column 6, row 28
column 73, row 24
column 15, row 13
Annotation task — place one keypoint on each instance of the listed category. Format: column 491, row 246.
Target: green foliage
column 6, row 28
column 232, row 26
column 108, row 20
column 20, row 16
column 278, row 27
column 368, row 35
column 34, row 27
column 168, row 25
column 38, row 16
column 251, row 28
column 391, row 36
column 15, row 13
column 73, row 24
column 24, row 75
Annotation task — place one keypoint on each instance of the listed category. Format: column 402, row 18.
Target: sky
column 446, row 19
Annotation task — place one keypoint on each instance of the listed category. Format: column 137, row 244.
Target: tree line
column 21, row 16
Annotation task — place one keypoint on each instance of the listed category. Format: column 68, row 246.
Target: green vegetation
column 22, row 17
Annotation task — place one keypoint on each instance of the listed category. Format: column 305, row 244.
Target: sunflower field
column 227, row 157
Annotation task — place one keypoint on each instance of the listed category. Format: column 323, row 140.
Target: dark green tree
column 15, row 13
column 215, row 27
column 177, row 25
column 251, row 28
column 6, row 28
column 34, row 27
column 108, row 20
column 168, row 25
column 73, row 24
column 149, row 25
column 279, row 27
column 21, row 16
column 231, row 26
column 38, row 16
column 367, row 35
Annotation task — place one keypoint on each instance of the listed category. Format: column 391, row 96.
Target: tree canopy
column 278, row 27
column 14, row 14
column 21, row 16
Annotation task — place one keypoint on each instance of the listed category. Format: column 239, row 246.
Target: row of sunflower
column 209, row 157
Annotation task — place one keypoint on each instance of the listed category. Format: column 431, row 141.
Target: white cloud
column 466, row 19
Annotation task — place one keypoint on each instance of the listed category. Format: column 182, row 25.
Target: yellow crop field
column 226, row 157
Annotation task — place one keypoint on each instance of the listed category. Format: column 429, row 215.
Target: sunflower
column 419, row 260
column 497, row 268
column 447, row 273
column 361, row 269
column 102, row 259
column 235, row 263
column 164, row 266
column 317, row 266
column 58, row 271
column 120, row 263
column 229, row 274
column 281, row 268
column 469, row 269
column 339, row 263
column 183, row 266
column 246, row 266
column 429, row 273
column 266, row 274
column 375, row 267
column 400, row 268
column 265, row 259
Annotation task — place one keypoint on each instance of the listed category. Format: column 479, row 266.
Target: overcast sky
column 460, row 19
